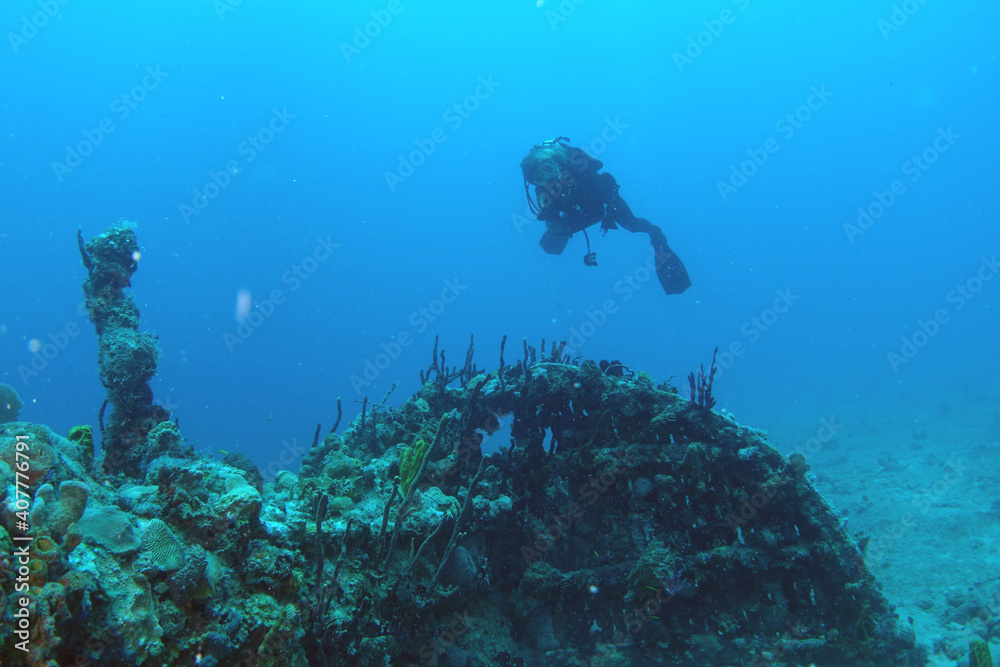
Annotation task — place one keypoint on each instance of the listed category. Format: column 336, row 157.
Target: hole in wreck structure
column 499, row 439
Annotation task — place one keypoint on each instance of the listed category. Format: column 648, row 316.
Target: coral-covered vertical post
column 127, row 356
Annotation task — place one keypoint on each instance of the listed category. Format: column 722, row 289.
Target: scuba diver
column 570, row 196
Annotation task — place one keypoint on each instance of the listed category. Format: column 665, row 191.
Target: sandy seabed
column 920, row 475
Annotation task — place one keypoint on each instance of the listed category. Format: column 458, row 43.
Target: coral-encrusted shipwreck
column 625, row 525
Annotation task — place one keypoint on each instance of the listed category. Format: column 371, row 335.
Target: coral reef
column 624, row 525
column 10, row 404
column 166, row 551
column 84, row 437
column 410, row 461
column 127, row 356
column 59, row 514
column 109, row 528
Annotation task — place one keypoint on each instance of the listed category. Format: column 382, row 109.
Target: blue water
column 332, row 112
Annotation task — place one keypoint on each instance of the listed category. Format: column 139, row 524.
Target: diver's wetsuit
column 584, row 197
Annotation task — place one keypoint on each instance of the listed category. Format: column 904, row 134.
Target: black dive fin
column 670, row 269
column 553, row 243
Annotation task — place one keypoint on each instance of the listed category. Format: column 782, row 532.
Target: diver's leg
column 669, row 268
column 622, row 214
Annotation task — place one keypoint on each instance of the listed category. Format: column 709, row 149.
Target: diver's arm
column 550, row 212
column 558, row 213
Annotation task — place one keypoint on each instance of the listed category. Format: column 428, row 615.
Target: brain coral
column 110, row 528
column 163, row 546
